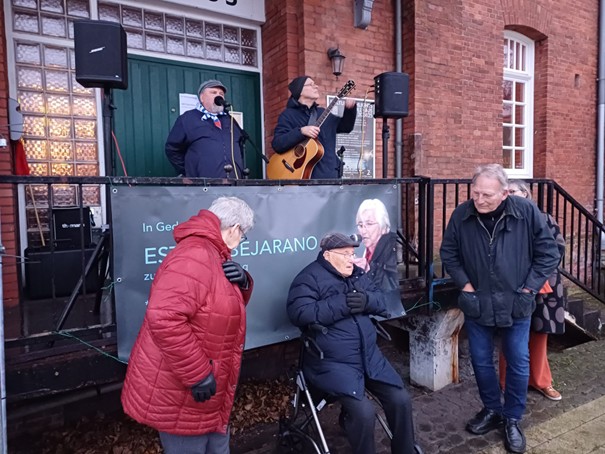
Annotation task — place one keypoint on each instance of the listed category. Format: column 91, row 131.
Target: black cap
column 337, row 241
column 296, row 86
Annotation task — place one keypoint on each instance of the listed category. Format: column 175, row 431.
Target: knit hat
column 337, row 241
column 212, row 83
column 296, row 86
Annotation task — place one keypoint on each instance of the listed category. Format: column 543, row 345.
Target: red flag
column 21, row 166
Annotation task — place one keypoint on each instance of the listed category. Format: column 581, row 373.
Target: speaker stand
column 385, row 147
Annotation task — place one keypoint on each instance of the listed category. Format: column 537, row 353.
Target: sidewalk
column 576, row 424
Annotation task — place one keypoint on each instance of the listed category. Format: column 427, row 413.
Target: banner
column 289, row 224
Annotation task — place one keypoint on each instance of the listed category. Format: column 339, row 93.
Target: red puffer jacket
column 195, row 324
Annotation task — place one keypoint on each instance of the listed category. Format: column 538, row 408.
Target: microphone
column 220, row 101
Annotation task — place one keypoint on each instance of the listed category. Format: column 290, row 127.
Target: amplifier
column 67, row 227
column 67, row 268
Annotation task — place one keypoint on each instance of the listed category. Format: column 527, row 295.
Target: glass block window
column 52, row 18
column 169, row 34
column 59, row 128
column 517, row 105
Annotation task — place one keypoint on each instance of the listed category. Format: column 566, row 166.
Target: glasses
column 243, row 236
column 344, row 254
column 514, row 191
column 366, row 225
column 312, row 84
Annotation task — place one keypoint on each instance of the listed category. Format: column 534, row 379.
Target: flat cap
column 212, row 83
column 338, row 240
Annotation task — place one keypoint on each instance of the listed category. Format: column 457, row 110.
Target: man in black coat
column 205, row 141
column 297, row 123
column 338, row 295
column 499, row 252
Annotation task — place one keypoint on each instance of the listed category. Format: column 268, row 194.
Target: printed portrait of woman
column 379, row 258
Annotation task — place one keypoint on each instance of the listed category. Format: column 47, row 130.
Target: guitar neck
column 326, row 112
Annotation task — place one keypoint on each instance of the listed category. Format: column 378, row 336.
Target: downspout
column 398, row 68
column 601, row 112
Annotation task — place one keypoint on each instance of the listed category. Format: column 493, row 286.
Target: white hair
column 232, row 211
column 380, row 211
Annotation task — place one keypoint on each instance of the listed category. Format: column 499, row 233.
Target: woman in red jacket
column 185, row 363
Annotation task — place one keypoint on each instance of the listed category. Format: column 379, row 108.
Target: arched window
column 518, row 105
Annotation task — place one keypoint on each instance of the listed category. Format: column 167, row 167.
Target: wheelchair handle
column 319, row 328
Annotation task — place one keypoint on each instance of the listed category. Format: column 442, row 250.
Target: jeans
column 515, row 340
column 211, row 443
column 360, row 418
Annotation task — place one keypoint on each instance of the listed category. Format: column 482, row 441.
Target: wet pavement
column 576, row 424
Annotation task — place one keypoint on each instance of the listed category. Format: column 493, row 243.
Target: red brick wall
column 457, row 87
column 8, row 218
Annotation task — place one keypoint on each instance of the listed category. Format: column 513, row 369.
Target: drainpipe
column 601, row 112
column 398, row 68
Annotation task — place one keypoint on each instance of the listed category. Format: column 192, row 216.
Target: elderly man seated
column 335, row 293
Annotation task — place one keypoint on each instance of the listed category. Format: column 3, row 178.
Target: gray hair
column 523, row 187
column 380, row 211
column 491, row 171
column 231, row 211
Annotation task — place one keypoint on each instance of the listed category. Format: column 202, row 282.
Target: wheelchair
column 301, row 431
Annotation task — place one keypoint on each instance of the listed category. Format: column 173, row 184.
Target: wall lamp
column 337, row 59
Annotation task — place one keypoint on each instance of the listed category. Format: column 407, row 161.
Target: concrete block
column 433, row 347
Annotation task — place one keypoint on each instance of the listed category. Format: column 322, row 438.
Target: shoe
column 514, row 440
column 484, row 421
column 550, row 393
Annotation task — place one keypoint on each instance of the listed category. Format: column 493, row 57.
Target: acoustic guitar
column 298, row 162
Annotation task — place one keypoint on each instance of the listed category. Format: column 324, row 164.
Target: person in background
column 335, row 294
column 206, row 141
column 185, row 363
column 548, row 317
column 499, row 252
column 297, row 123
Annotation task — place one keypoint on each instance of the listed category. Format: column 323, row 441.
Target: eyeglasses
column 344, row 254
column 514, row 191
column 242, row 233
column 312, row 84
column 366, row 225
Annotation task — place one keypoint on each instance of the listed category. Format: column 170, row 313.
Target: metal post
column 2, row 362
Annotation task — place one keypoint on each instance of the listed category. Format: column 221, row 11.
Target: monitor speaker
column 101, row 59
column 392, row 93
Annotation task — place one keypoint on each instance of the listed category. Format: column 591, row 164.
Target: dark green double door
column 146, row 111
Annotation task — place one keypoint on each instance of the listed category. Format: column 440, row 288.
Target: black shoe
column 484, row 421
column 514, row 440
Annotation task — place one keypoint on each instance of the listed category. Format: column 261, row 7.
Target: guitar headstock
column 348, row 88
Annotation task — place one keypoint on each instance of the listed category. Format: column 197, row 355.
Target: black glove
column 235, row 273
column 356, row 302
column 205, row 389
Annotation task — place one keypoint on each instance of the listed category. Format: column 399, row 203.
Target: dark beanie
column 296, row 86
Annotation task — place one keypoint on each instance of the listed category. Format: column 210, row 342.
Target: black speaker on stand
column 391, row 90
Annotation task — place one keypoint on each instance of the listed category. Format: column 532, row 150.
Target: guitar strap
column 313, row 116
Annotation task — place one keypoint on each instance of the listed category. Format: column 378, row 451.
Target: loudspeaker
column 67, row 228
column 392, row 93
column 66, row 267
column 100, row 49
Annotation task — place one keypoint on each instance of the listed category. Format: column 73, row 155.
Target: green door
column 147, row 110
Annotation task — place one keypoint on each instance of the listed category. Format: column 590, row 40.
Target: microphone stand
column 341, row 163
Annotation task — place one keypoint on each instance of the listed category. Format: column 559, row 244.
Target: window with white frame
column 518, row 105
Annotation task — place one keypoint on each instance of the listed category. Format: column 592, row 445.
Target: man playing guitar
column 297, row 124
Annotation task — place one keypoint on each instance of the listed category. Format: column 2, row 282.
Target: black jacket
column 197, row 148
column 287, row 134
column 317, row 296
column 521, row 253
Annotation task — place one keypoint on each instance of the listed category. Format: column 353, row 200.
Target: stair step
column 592, row 321
column 576, row 308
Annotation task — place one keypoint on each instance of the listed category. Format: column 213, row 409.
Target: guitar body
column 296, row 163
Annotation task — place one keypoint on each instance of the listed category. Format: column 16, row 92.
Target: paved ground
column 576, row 424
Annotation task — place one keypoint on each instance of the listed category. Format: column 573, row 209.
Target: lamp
column 337, row 59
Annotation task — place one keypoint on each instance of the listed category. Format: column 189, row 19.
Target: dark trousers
column 361, row 417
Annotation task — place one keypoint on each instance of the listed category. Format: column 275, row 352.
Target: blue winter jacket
column 287, row 134
column 520, row 253
column 197, row 148
column 318, row 296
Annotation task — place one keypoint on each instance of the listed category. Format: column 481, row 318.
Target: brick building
column 510, row 81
